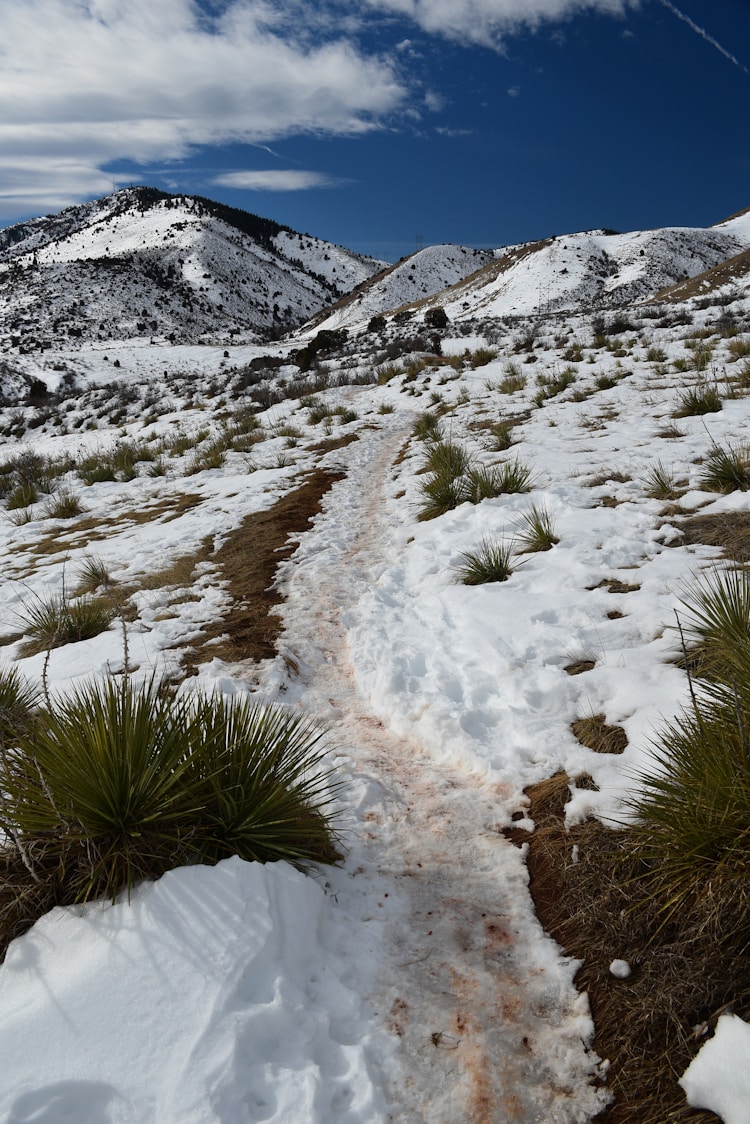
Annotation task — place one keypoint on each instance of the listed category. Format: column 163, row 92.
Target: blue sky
column 382, row 124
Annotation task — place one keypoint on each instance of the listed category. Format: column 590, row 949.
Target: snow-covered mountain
column 593, row 269
column 422, row 274
column 144, row 264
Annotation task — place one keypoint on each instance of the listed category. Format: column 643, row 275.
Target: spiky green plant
column 492, row 562
column 446, row 456
column 53, row 618
column 117, row 782
column 726, row 469
column 441, row 492
column 702, row 398
column 427, row 428
column 660, row 482
column 18, row 701
column 714, row 625
column 692, row 831
column 514, row 477
column 484, row 483
column 93, row 574
column 535, row 530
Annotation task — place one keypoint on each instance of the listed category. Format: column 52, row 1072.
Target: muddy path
column 485, row 1022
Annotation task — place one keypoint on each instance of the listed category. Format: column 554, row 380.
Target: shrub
column 427, row 428
column 536, row 530
column 726, row 470
column 482, row 356
column 483, row 483
column 436, row 317
column 441, row 492
column 739, row 348
column 491, row 563
column 656, row 355
column 445, row 456
column 513, row 380
column 117, row 783
column 502, row 435
column 551, row 385
column 22, row 496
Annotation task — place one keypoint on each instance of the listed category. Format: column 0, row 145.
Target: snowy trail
column 484, row 1022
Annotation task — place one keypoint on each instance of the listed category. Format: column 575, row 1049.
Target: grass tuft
column 535, row 530
column 490, row 563
column 726, row 469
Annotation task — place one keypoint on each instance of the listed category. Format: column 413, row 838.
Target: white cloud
column 278, row 180
column 514, row 91
column 85, row 83
column 491, row 21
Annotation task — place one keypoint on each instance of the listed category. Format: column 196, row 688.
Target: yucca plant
column 427, row 428
column 726, row 470
column 445, row 456
column 93, row 573
column 266, row 793
column 714, row 625
column 18, row 701
column 514, row 477
column 441, row 492
column 660, row 482
column 535, row 530
column 484, row 483
column 52, row 619
column 703, row 398
column 492, row 562
column 692, row 831
column 117, row 782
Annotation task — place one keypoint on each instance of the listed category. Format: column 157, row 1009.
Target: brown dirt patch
column 579, row 666
column 584, row 884
column 730, row 531
column 248, row 560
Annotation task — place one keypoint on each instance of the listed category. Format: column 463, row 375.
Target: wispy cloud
column 703, row 34
column 490, row 22
column 278, row 180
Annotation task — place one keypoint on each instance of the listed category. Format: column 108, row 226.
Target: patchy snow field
column 413, row 983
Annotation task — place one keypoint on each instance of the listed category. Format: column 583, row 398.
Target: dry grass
column 644, row 1024
column 247, row 561
column 595, row 734
column 730, row 530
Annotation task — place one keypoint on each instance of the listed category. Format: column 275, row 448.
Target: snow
column 415, row 981
column 620, row 969
column 247, row 961
column 719, row 1077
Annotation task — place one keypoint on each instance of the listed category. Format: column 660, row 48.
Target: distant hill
column 142, row 263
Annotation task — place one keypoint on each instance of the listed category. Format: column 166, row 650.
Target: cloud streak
column 703, row 34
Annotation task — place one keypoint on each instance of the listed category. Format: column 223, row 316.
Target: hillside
column 140, row 264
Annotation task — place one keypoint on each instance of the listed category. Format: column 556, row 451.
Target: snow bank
column 260, row 1027
column 719, row 1077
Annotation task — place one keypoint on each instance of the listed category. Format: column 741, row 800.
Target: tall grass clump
column 703, row 398
column 660, row 482
column 492, row 562
column 714, row 626
column 535, row 530
column 726, row 469
column 52, row 619
column 116, row 783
